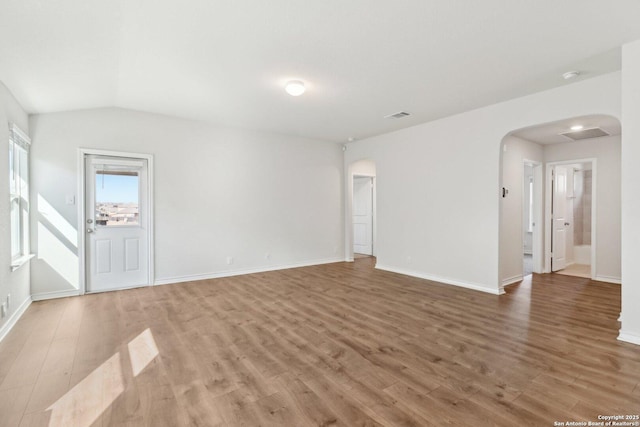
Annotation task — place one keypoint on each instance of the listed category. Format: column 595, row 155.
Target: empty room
column 349, row 213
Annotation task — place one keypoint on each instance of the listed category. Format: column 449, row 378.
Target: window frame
column 530, row 225
column 19, row 187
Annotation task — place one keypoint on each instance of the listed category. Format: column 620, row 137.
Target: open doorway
column 579, row 161
column 532, row 213
column 571, row 217
column 360, row 235
column 362, row 216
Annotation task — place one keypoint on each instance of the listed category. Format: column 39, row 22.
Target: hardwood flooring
column 579, row 270
column 340, row 344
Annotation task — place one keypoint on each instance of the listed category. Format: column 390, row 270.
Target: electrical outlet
column 229, row 260
column 267, row 256
column 3, row 310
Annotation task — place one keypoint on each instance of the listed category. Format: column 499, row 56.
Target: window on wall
column 19, row 144
column 530, row 225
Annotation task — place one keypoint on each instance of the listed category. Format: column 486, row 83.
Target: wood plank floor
column 340, row 344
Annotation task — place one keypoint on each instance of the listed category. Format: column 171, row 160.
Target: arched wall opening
column 593, row 155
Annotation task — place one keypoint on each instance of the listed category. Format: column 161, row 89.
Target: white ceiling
column 225, row 61
column 550, row 133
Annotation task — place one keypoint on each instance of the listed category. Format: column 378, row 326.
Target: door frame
column 349, row 214
column 548, row 217
column 373, row 211
column 82, row 237
column 538, row 215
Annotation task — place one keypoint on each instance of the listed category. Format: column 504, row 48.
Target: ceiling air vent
column 585, row 134
column 398, row 115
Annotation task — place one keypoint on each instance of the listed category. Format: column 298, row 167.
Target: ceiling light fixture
column 571, row 75
column 295, row 87
column 577, row 127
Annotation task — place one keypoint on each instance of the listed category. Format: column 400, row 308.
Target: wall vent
column 398, row 115
column 585, row 134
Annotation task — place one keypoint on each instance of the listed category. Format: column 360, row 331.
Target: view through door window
column 117, row 198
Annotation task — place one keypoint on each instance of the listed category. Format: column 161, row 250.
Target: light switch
column 70, row 199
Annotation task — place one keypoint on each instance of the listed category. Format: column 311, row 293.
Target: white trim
column 19, row 262
column 55, row 294
column 629, row 337
column 445, row 280
column 348, row 210
column 118, row 163
column 609, row 279
column 11, row 322
column 230, row 273
column 123, row 288
column 513, row 279
column 537, row 234
column 22, row 135
column 82, row 152
column 373, row 211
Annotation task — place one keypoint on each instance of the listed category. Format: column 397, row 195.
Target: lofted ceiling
column 226, row 61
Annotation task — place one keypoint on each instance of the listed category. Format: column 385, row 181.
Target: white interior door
column 117, row 218
column 559, row 215
column 363, row 215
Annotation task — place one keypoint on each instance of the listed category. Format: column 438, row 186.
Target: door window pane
column 117, row 198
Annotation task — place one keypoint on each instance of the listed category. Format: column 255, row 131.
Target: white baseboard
column 445, row 280
column 229, row 273
column 56, row 294
column 11, row 322
column 609, row 279
column 511, row 280
column 629, row 337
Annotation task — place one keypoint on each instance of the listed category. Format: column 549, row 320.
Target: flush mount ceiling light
column 571, row 75
column 295, row 87
column 577, row 127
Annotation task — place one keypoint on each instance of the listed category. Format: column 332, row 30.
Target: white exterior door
column 559, row 214
column 363, row 215
column 117, row 223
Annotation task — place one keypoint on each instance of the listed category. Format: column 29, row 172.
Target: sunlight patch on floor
column 142, row 350
column 84, row 403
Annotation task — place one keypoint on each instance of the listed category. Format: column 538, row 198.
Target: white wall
column 218, row 192
column 630, row 316
column 606, row 151
column 363, row 167
column 15, row 283
column 429, row 175
column 514, row 152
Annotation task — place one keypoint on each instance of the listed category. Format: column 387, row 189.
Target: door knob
column 89, row 230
